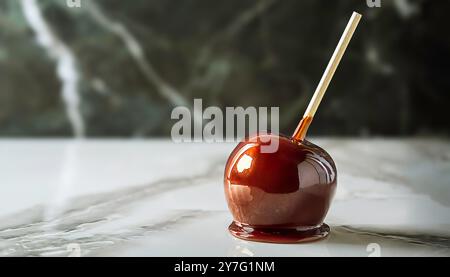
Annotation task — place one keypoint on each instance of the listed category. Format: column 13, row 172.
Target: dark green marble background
column 393, row 80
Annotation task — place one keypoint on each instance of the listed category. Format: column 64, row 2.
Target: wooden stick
column 302, row 128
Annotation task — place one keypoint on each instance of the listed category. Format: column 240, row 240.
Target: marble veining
column 157, row 198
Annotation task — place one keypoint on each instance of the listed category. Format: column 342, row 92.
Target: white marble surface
column 156, row 198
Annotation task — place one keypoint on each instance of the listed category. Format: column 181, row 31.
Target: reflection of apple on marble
column 285, row 195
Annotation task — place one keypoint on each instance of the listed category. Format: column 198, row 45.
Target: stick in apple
column 302, row 128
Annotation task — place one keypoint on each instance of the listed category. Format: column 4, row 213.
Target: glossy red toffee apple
column 283, row 196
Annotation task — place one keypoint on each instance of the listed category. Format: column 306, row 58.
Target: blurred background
column 115, row 68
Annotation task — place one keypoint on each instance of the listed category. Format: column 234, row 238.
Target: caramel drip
column 302, row 128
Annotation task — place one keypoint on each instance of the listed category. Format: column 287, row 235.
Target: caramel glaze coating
column 290, row 188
